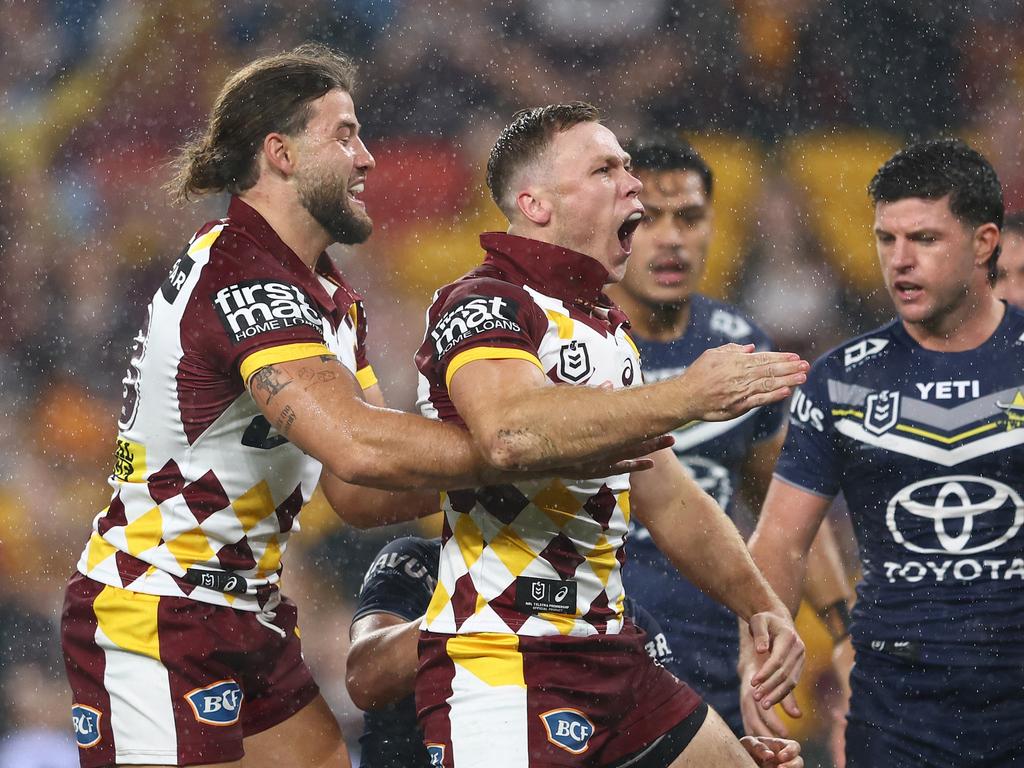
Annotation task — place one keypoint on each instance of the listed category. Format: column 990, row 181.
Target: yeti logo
column 882, row 411
column 574, row 362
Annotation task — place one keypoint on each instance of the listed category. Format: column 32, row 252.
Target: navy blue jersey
column 702, row 633
column 401, row 581
column 928, row 449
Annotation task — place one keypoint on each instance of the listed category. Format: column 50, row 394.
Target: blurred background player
column 918, row 424
column 672, row 324
column 382, row 659
column 1010, row 269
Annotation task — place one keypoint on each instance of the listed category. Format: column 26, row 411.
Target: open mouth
column 354, row 191
column 669, row 270
column 625, row 232
column 907, row 291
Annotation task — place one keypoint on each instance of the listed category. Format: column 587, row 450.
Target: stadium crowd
column 794, row 104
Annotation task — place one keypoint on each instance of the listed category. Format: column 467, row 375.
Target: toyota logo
column 955, row 506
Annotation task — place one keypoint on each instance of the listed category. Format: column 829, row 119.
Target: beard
column 327, row 201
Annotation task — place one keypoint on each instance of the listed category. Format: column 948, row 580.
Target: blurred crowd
column 794, row 103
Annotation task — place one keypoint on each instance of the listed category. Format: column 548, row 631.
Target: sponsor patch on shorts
column 436, row 754
column 477, row 314
column 252, row 307
column 86, row 721
column 217, row 704
column 568, row 729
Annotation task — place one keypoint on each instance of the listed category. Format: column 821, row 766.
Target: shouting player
column 525, row 652
column 672, row 325
column 919, row 424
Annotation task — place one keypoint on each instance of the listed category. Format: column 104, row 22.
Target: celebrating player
column 919, row 424
column 248, row 384
column 382, row 659
column 525, row 652
column 672, row 324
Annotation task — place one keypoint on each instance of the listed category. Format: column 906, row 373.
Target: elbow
column 357, row 683
column 510, row 449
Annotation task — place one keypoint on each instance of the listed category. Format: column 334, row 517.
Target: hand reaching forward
column 727, row 381
column 769, row 672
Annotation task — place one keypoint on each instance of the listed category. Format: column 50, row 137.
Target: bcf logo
column 436, row 754
column 967, row 514
column 217, row 704
column 87, row 725
column 568, row 729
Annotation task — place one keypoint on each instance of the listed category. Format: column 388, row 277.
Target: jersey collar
column 344, row 296
column 551, row 269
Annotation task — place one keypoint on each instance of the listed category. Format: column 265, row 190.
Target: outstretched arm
column 525, row 421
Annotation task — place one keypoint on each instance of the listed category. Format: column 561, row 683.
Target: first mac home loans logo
column 253, row 307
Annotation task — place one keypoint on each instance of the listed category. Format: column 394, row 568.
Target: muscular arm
column 381, row 663
column 365, row 507
column 825, row 582
column 524, row 421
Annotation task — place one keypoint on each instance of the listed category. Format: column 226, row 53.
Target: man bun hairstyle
column 523, row 141
column 933, row 169
column 269, row 95
column 662, row 153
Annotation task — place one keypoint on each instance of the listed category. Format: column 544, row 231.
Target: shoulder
column 869, row 350
column 727, row 323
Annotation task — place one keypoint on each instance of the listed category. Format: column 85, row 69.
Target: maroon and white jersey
column 202, row 483
column 540, row 557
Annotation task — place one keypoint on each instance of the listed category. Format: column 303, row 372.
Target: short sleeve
column 809, row 458
column 482, row 319
column 364, row 371
column 401, row 579
column 245, row 314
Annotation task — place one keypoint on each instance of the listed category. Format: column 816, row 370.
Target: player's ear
column 986, row 238
column 534, row 207
column 279, row 153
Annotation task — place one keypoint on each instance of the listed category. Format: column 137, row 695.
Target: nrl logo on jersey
column 862, row 350
column 574, row 362
column 1014, row 411
column 882, row 411
column 253, row 307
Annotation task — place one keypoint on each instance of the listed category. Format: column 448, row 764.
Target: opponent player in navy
column 382, row 659
column 919, row 423
column 672, row 325
column 1010, row 273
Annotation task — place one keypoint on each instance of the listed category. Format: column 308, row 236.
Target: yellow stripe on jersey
column 366, row 377
column 947, row 440
column 470, row 539
column 492, row 657
column 282, row 354
column 271, row 559
column 558, row 503
column 254, row 505
column 129, row 619
column 488, row 353
column 563, row 622
column 513, row 552
column 190, row 548
column 564, row 323
column 602, row 560
column 205, row 242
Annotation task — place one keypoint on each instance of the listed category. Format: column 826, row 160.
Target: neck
column 656, row 322
column 959, row 331
column 292, row 223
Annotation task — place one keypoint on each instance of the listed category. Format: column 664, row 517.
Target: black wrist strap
column 836, row 617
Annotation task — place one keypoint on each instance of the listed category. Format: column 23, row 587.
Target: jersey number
column 257, row 435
